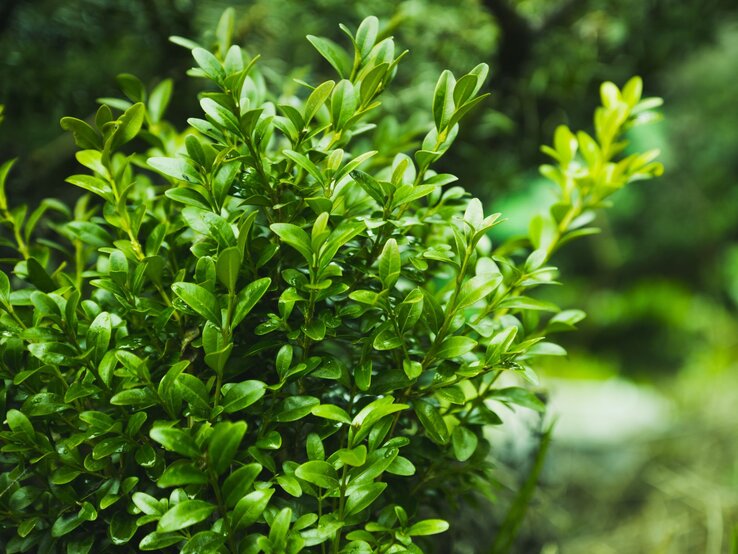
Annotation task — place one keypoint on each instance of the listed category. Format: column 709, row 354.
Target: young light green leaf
column 316, row 100
column 228, row 266
column 129, row 124
column 343, row 103
column 329, row 411
column 428, row 527
column 332, row 52
column 242, row 395
column 319, row 473
column 209, row 64
column 443, row 100
column 159, row 100
column 455, row 346
column 185, row 514
column 390, row 264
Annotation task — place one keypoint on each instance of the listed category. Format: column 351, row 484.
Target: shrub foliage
column 257, row 335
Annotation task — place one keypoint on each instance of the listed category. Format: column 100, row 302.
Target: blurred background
column 645, row 450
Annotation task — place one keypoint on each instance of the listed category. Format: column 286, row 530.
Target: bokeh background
column 645, row 449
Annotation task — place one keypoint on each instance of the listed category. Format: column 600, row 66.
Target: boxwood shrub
column 279, row 330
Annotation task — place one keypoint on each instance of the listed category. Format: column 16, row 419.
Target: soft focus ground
column 666, row 481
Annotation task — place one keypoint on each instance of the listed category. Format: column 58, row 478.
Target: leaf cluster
column 250, row 337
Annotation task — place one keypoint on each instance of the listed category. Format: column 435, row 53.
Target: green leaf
column 4, row 289
column 64, row 475
column 209, row 64
column 62, row 525
column 224, row 30
column 295, row 237
column 181, row 473
column 352, row 456
column 54, row 353
column 122, row 528
column 228, row 266
column 428, row 527
column 146, row 503
column 38, row 276
column 432, row 421
column 319, row 473
column 332, row 52
column 131, row 86
column 129, row 124
column 133, row 397
column 370, row 414
column 221, row 115
column 19, row 423
column 238, row 483
column 401, row 466
column 477, row 288
column 177, row 168
column 412, row 369
column 316, row 100
column 84, row 136
column 90, row 233
column 185, row 514
column 296, row 407
column 305, row 163
column 343, row 103
column 329, row 411
column 464, row 443
column 520, row 396
column 98, row 335
column 443, row 100
column 241, row 395
column 203, row 542
column 159, row 541
column 187, row 196
column 250, row 507
column 176, row 440
column 93, row 184
column 248, row 298
column 366, row 35
column 527, row 303
column 224, row 442
column 390, row 264
column 455, row 346
column 159, row 100
column 199, row 299
column 362, row 496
